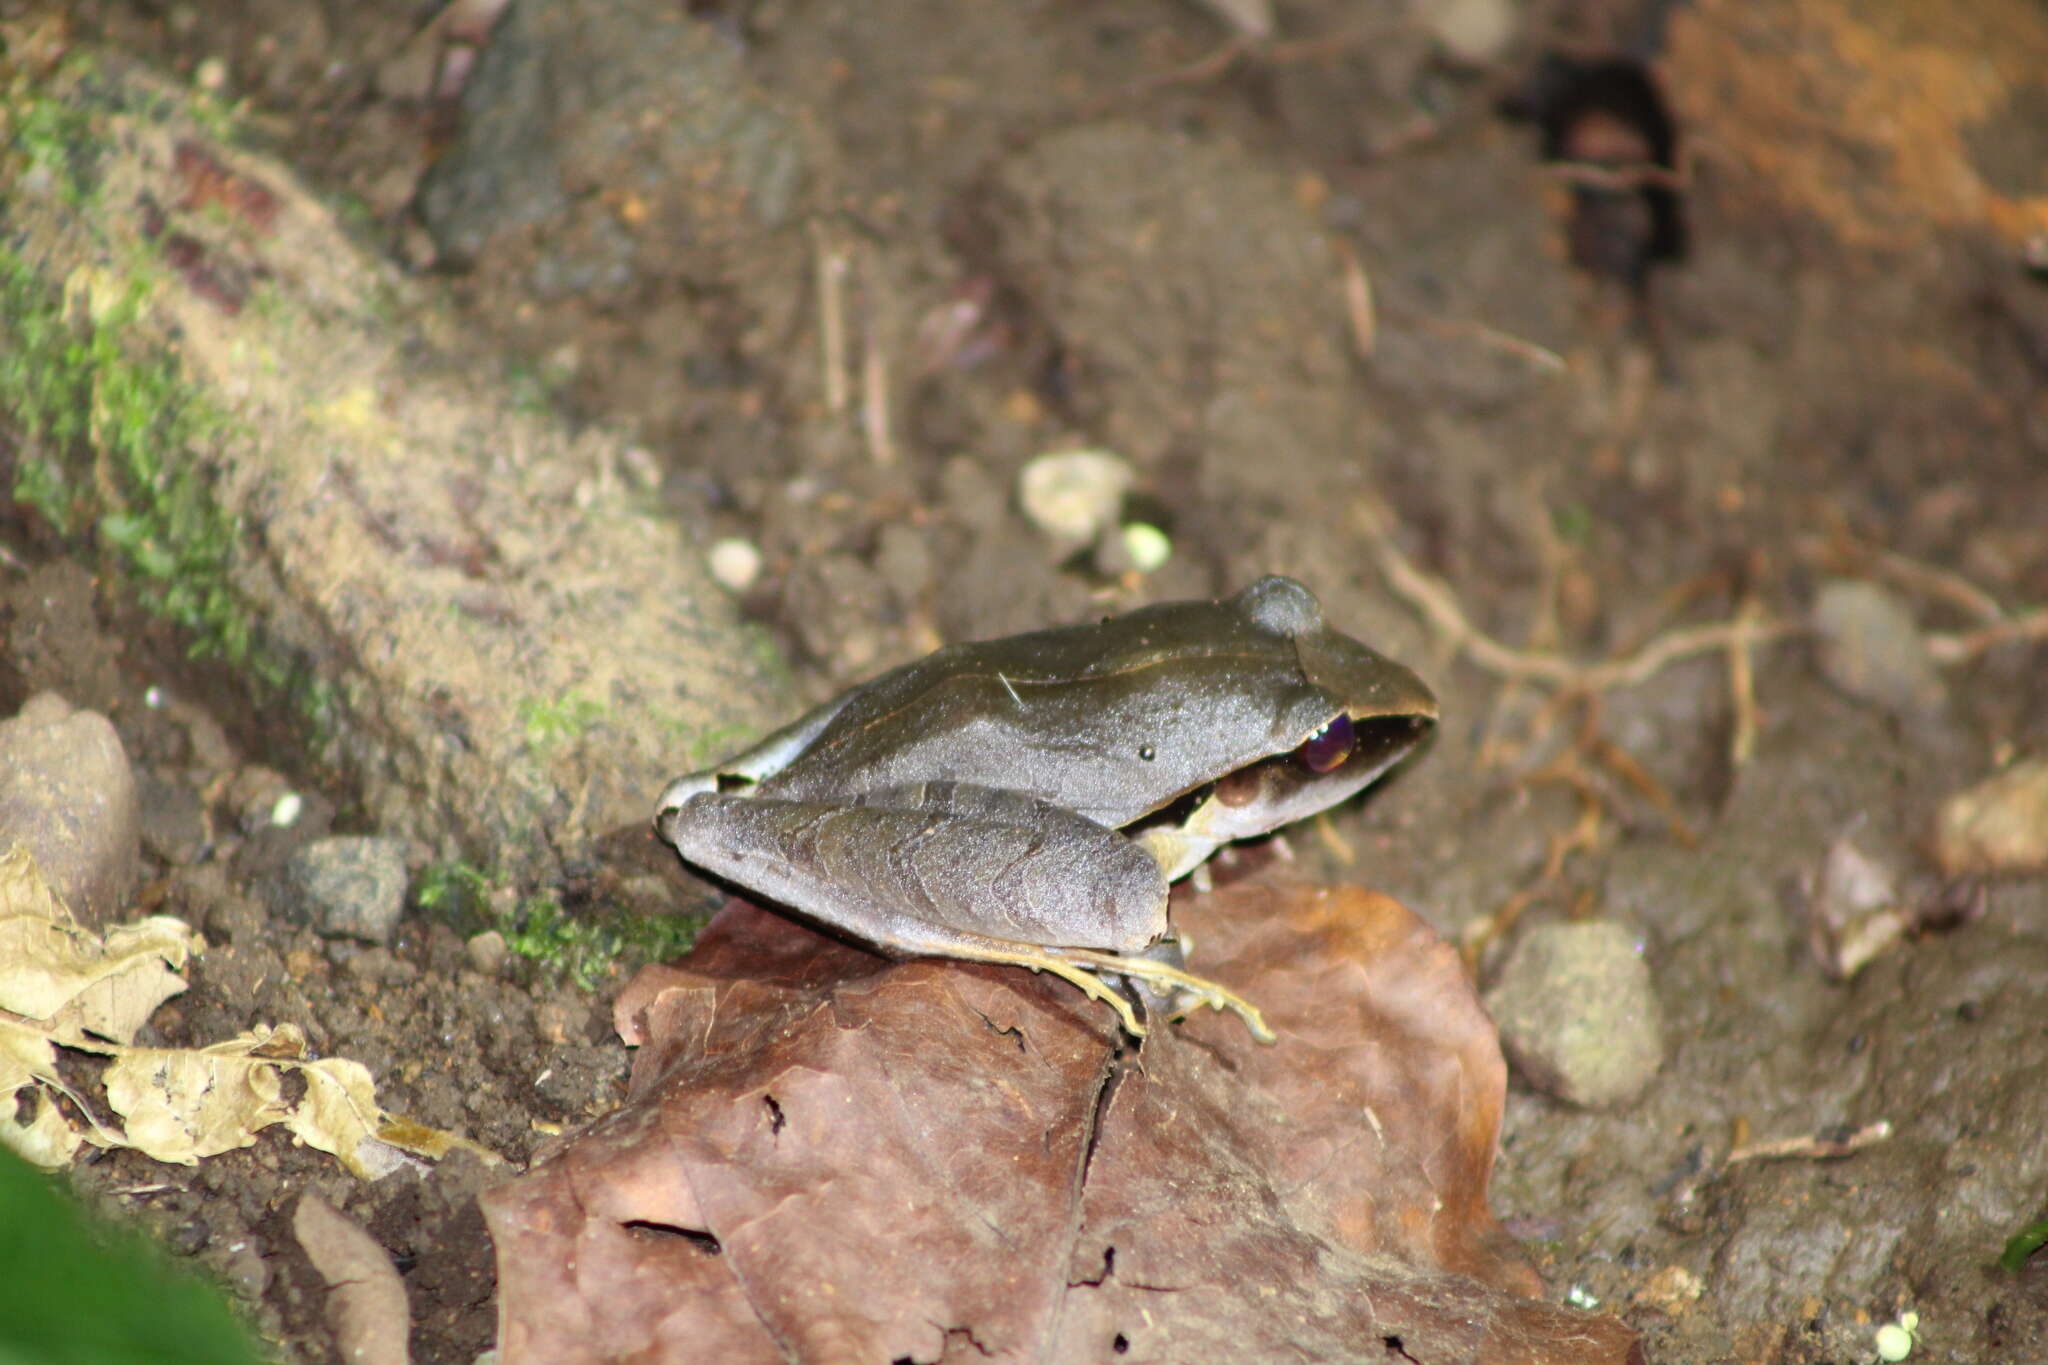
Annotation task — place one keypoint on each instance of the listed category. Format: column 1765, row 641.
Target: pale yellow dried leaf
column 339, row 1113
column 179, row 1106
column 26, row 1054
column 106, row 985
column 28, row 1057
column 46, row 1140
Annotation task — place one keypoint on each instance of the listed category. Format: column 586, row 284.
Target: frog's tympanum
column 1028, row 800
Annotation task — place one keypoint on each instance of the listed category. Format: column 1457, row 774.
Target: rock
column 1578, row 1015
column 67, row 794
column 1474, row 32
column 1871, row 648
column 1999, row 825
column 1074, row 494
column 345, row 888
column 570, row 114
column 487, row 952
column 173, row 820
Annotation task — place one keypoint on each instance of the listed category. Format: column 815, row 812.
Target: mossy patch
column 586, row 949
column 113, row 444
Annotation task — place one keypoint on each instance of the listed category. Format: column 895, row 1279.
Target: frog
column 1029, row 800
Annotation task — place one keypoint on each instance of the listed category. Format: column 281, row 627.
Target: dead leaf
column 105, row 983
column 365, row 1298
column 178, row 1105
column 94, row 991
column 829, row 1156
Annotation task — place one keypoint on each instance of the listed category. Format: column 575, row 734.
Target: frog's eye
column 1329, row 746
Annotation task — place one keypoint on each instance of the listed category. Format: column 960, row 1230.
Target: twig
column 874, row 385
column 1615, row 179
column 1742, row 683
column 1537, row 357
column 1358, row 308
column 1843, row 551
column 1967, row 645
column 831, row 318
column 1813, row 1146
column 1623, row 765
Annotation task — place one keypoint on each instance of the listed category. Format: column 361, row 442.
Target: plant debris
column 825, row 1154
column 65, row 987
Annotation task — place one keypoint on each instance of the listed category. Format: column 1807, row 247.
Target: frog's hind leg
column 1170, row 979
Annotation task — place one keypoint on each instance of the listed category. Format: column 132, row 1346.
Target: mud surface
column 1080, row 225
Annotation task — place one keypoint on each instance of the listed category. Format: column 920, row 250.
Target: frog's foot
column 1043, row 960
column 1168, row 980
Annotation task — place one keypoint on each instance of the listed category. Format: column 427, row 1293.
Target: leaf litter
column 63, row 986
column 825, row 1155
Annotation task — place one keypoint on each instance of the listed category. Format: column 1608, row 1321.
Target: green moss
column 111, row 439
column 587, row 949
column 552, row 721
column 53, row 137
column 457, row 894
column 690, row 746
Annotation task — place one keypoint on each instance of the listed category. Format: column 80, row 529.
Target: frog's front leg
column 941, row 868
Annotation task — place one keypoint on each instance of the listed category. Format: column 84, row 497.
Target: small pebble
column 735, row 563
column 1147, row 545
column 1578, row 1014
column 1998, row 826
column 1475, row 32
column 346, row 888
column 1072, row 495
column 1871, row 648
column 487, row 952
column 286, row 812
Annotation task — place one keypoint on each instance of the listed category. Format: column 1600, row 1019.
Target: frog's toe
column 1178, row 984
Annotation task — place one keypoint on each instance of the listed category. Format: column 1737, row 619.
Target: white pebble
column 1072, row 495
column 735, row 563
column 1147, row 545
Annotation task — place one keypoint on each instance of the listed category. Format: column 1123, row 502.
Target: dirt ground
column 1066, row 225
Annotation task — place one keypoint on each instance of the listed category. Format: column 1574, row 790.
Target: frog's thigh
column 938, row 874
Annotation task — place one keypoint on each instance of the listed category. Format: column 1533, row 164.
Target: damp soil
column 1131, row 222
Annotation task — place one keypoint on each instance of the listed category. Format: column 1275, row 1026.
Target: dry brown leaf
column 828, row 1156
column 365, row 1300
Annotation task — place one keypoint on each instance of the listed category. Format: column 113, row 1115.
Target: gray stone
column 67, row 794
column 346, row 888
column 487, row 952
column 1578, row 1015
column 1872, row 649
column 173, row 820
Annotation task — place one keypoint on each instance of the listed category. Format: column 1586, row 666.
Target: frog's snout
column 669, row 809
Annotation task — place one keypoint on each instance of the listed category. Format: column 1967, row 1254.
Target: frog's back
column 1111, row 720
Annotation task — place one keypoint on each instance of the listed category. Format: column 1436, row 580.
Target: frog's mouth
column 1263, row 796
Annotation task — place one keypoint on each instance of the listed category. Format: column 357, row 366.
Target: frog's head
column 1360, row 714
